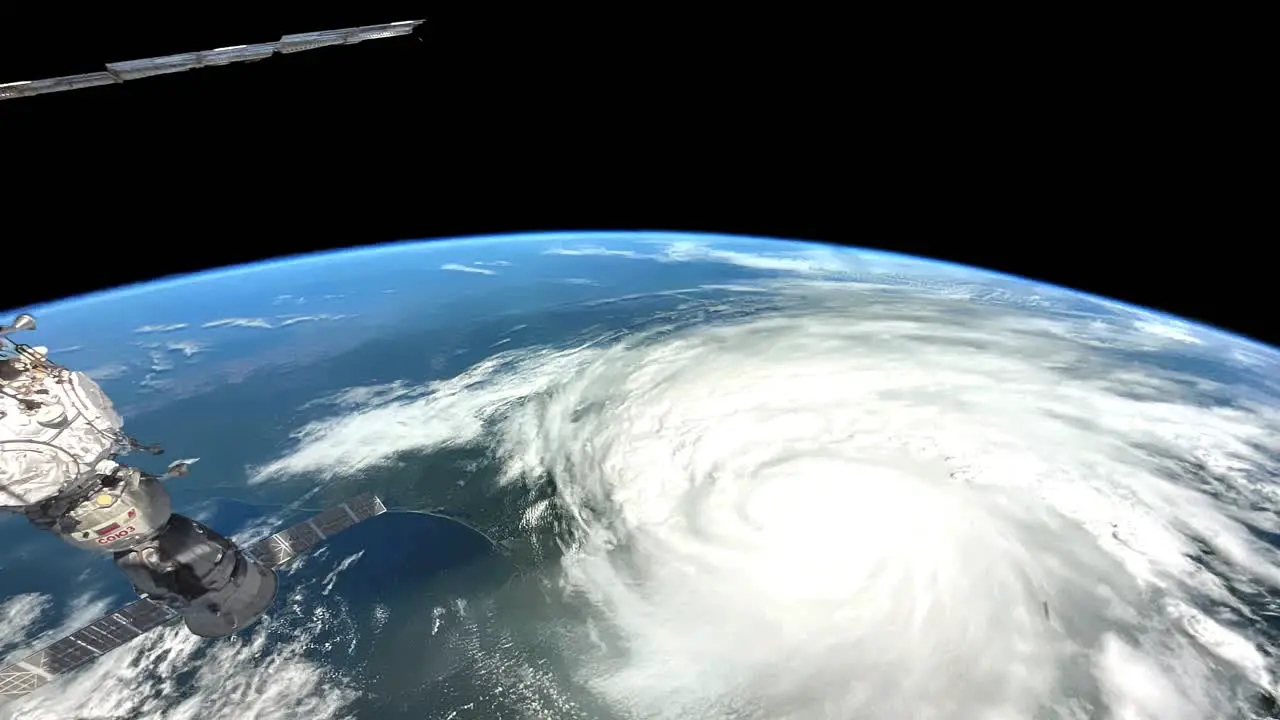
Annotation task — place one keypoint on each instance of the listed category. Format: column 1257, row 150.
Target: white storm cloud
column 805, row 260
column 802, row 262
column 28, row 609
column 1170, row 329
column 362, row 396
column 360, row 436
column 812, row 260
column 18, row 614
column 153, row 677
column 930, row 504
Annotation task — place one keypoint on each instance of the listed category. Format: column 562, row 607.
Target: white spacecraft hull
column 57, row 428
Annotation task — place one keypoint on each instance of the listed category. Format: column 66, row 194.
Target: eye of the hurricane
column 826, row 527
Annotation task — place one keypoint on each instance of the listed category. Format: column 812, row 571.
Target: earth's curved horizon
column 724, row 477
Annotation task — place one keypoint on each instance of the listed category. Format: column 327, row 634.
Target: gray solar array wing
column 58, row 84
column 311, row 40
column 237, row 53
column 287, row 544
column 82, row 646
column 135, row 69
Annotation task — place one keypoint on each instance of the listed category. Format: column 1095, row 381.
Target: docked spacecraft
column 60, row 440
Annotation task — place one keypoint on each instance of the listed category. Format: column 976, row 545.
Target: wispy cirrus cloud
column 734, row 287
column 187, row 347
column 110, row 371
column 160, row 363
column 153, row 381
column 161, row 328
column 494, row 263
column 281, row 321
column 808, row 260
column 456, row 267
column 589, row 250
column 256, row 322
column 295, row 319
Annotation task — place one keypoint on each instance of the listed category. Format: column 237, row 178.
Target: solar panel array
column 97, row 638
column 287, row 544
column 133, row 69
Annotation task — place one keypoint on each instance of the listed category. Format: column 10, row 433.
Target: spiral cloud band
column 869, row 502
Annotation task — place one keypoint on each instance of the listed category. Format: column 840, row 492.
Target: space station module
column 59, row 439
column 60, row 436
column 58, row 430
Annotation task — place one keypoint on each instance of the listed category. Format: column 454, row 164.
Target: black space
column 1102, row 163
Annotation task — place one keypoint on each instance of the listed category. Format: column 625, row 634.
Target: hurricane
column 870, row 502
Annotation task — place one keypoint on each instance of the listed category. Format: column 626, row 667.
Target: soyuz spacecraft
column 135, row 69
column 60, row 440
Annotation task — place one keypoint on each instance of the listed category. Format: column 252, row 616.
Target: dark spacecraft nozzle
column 237, row 605
column 204, row 577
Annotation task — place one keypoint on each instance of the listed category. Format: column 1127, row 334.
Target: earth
column 649, row 475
